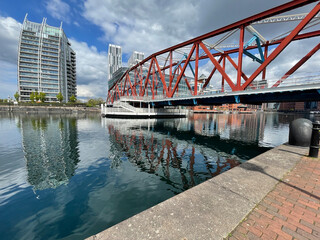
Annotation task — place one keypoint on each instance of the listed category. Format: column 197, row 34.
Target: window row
column 28, row 59
column 50, row 49
column 49, row 53
column 31, row 42
column 49, row 58
column 29, row 69
column 29, row 46
column 50, row 45
column 49, row 71
column 29, row 79
column 29, row 55
column 30, row 38
column 28, row 84
column 49, row 81
column 49, row 62
column 49, row 67
column 29, row 64
column 50, row 90
column 28, row 74
column 29, row 50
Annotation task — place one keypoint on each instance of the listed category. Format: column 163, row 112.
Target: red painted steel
column 239, row 72
column 143, row 82
column 283, row 44
column 297, row 65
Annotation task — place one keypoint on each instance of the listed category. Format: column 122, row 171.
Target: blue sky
column 142, row 25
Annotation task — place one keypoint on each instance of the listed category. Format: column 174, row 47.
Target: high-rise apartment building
column 114, row 59
column 46, row 62
column 135, row 58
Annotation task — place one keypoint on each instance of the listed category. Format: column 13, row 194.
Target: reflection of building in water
column 51, row 150
column 243, row 127
column 180, row 163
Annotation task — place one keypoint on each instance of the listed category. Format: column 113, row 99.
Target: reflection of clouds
column 93, row 143
column 12, row 173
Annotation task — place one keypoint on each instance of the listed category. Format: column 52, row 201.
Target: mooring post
column 314, row 144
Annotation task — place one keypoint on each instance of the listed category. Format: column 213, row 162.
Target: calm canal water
column 69, row 177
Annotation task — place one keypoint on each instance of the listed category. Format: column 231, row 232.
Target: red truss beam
column 218, row 66
column 297, row 65
column 283, row 44
column 144, row 81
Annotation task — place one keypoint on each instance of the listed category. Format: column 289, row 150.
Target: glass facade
column 135, row 58
column 46, row 62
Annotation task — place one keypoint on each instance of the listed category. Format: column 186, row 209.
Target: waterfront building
column 135, row 58
column 46, row 62
column 114, row 59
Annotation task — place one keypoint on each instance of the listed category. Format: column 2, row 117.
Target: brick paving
column 290, row 211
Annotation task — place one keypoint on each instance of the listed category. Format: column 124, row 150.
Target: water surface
column 72, row 176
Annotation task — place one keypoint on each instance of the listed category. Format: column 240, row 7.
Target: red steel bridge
column 175, row 76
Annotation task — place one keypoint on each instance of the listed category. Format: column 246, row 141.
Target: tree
column 32, row 97
column 60, row 97
column 42, row 96
column 73, row 98
column 16, row 96
column 94, row 102
column 37, row 96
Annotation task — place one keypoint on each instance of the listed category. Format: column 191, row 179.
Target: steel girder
column 150, row 78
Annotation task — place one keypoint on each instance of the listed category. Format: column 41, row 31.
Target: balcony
column 28, row 55
column 24, row 45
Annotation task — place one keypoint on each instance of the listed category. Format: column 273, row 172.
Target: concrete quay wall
column 213, row 209
column 46, row 109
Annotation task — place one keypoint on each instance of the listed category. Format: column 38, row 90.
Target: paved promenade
column 214, row 209
column 290, row 211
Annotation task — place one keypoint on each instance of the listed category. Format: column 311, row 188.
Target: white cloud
column 59, row 10
column 142, row 25
column 152, row 25
column 91, row 70
column 9, row 40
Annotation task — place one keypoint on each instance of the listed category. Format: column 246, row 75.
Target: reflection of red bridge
column 161, row 78
column 154, row 155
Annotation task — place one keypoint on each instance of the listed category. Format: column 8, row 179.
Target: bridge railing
column 257, row 85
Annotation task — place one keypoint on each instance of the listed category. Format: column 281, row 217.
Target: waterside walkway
column 290, row 211
column 275, row 195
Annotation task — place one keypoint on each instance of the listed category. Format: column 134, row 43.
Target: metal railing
column 262, row 85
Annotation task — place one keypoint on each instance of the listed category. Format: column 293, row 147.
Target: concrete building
column 114, row 59
column 46, row 62
column 135, row 58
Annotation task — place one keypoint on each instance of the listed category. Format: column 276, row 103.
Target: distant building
column 299, row 106
column 135, row 58
column 114, row 59
column 117, row 75
column 46, row 62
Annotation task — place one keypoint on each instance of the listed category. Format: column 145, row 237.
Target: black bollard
column 314, row 145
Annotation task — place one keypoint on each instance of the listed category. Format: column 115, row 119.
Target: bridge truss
column 175, row 71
